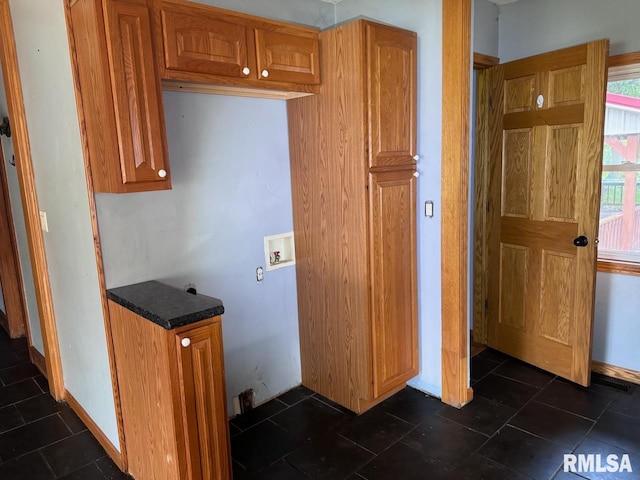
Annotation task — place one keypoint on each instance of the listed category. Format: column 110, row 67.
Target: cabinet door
column 195, row 41
column 287, row 54
column 391, row 77
column 137, row 96
column 393, row 278
column 204, row 411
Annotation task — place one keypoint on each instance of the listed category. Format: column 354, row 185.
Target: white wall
column 485, row 27
column 425, row 18
column 529, row 27
column 231, row 187
column 21, row 231
column 45, row 68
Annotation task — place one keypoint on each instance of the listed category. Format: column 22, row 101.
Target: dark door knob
column 581, row 241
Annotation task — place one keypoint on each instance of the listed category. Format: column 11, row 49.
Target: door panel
column 391, row 78
column 204, row 402
column 137, row 94
column 288, row 55
column 544, row 191
column 203, row 43
column 393, row 279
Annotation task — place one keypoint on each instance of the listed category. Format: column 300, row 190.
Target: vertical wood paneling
column 391, row 67
column 393, row 279
column 456, row 54
column 516, row 173
column 144, row 373
column 329, row 191
column 519, row 94
column 557, row 296
column 514, row 265
column 563, row 155
column 566, row 86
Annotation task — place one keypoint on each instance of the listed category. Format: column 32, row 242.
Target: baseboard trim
column 38, row 360
column 111, row 450
column 616, row 372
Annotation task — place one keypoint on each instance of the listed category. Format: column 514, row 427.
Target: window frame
column 621, row 67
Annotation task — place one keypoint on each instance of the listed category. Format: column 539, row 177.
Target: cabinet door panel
column 288, row 56
column 391, row 67
column 195, row 42
column 393, row 279
column 137, row 94
column 204, row 402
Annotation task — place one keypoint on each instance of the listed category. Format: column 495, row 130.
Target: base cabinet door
column 393, row 279
column 201, row 374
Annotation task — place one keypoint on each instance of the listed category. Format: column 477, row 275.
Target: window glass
column 620, row 199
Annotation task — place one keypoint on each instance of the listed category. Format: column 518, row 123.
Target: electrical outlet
column 259, row 274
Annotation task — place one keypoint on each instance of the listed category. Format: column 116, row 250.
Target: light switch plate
column 43, row 221
column 428, row 209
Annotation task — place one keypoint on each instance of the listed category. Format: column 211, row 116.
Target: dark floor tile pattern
column 520, row 425
column 41, row 439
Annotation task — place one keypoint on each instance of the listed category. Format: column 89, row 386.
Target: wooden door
column 393, row 278
column 204, row 412
column 199, row 42
column 391, row 87
column 287, row 54
column 14, row 318
column 547, row 113
column 137, row 95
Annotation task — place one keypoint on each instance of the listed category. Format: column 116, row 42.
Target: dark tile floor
column 520, row 424
column 39, row 438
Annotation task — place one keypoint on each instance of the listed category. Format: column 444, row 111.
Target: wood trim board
column 482, row 61
column 122, row 454
column 38, row 360
column 621, row 373
column 456, row 54
column 26, row 179
column 111, row 450
column 616, row 266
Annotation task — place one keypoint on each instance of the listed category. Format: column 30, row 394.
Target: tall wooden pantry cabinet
column 353, row 168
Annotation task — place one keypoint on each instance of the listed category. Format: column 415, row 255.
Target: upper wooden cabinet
column 198, row 41
column 120, row 96
column 207, row 45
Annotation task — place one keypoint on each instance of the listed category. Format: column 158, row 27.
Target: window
column 619, row 232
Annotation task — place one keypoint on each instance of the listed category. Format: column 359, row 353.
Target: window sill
column 616, row 266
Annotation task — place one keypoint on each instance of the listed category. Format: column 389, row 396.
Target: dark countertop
column 166, row 306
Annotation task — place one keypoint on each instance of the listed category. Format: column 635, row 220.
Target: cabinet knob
column 185, row 342
column 416, row 157
column 416, row 174
column 246, row 71
column 265, row 73
column 162, row 173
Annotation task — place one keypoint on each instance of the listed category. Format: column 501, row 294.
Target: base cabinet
column 173, row 397
column 354, row 207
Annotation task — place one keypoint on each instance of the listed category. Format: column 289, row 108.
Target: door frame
column 14, row 319
column 456, row 99
column 26, row 180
